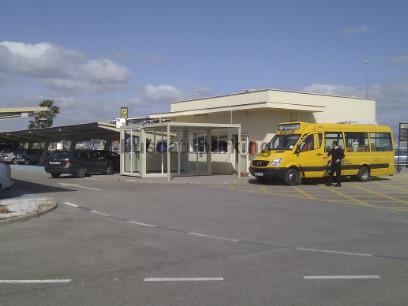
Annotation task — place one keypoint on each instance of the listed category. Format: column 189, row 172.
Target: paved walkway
column 15, row 207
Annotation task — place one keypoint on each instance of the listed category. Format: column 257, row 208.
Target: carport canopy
column 76, row 133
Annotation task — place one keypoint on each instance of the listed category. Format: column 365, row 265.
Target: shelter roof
column 77, row 132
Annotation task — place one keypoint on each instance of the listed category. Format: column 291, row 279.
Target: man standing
column 337, row 154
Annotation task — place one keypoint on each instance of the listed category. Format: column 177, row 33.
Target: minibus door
column 311, row 156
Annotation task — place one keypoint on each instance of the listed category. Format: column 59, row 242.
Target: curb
column 49, row 204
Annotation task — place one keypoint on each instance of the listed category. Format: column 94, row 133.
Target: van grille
column 260, row 163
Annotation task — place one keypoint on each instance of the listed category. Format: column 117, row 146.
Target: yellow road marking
column 307, row 195
column 356, row 201
column 380, row 194
column 264, row 190
column 346, row 199
column 404, row 190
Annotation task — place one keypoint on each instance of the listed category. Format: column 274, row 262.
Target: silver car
column 400, row 159
column 8, row 157
column 5, row 176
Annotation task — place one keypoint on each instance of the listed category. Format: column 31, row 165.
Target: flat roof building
column 254, row 113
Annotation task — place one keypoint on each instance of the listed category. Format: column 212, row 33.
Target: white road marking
column 80, row 186
column 141, row 223
column 328, row 277
column 335, row 252
column 71, row 204
column 35, row 281
column 213, row 237
column 99, row 213
column 183, row 279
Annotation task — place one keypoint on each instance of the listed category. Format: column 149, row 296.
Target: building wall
column 331, row 108
column 260, row 112
column 260, row 124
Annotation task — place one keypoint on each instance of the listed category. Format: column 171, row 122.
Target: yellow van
column 299, row 150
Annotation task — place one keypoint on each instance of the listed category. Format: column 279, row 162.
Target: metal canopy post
column 239, row 153
column 209, row 157
column 143, row 153
column 168, row 153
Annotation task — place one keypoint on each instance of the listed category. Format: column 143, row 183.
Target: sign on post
column 403, row 131
column 124, row 111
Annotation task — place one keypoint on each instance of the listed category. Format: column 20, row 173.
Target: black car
column 113, row 157
column 78, row 163
column 27, row 156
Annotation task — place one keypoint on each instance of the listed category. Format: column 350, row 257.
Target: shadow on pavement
column 21, row 188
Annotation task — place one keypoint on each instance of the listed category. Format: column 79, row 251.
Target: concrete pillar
column 108, row 144
column 72, row 145
column 209, row 157
column 44, row 153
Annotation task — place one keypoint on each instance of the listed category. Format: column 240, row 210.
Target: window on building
column 200, row 144
column 219, row 144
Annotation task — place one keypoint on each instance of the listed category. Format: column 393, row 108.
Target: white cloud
column 58, row 67
column 157, row 93
column 391, row 100
column 105, row 70
column 153, row 99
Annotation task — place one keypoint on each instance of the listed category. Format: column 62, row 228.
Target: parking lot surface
column 221, row 240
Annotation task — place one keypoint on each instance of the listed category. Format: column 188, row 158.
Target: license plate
column 54, row 163
column 258, row 174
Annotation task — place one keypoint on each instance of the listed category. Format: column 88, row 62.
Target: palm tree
column 44, row 119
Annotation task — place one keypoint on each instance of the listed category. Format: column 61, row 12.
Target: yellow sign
column 124, row 112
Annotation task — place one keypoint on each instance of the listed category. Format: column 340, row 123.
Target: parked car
column 77, row 163
column 8, row 157
column 5, row 176
column 400, row 159
column 27, row 156
column 113, row 157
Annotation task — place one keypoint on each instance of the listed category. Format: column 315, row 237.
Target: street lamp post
column 366, row 62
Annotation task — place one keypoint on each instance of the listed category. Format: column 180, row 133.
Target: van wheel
column 54, row 175
column 292, row 177
column 363, row 174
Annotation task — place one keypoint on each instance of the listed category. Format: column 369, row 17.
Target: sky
column 91, row 57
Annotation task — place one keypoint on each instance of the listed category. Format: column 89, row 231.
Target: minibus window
column 357, row 142
column 380, row 142
column 307, row 144
column 283, row 142
column 329, row 137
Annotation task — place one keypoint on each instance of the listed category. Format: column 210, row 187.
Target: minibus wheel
column 363, row 174
column 292, row 177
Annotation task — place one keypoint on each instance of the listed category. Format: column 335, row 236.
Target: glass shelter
column 170, row 149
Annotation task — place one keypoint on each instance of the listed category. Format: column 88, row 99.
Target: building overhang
column 16, row 112
column 78, row 132
column 243, row 107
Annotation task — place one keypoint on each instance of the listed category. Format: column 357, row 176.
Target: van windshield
column 283, row 142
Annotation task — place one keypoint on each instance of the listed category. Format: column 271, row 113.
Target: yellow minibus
column 299, row 151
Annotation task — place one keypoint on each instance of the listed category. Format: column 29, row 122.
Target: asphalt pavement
column 18, row 205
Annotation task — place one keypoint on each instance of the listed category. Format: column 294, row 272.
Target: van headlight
column 276, row 162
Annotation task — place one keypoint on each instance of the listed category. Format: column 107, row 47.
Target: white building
column 210, row 130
